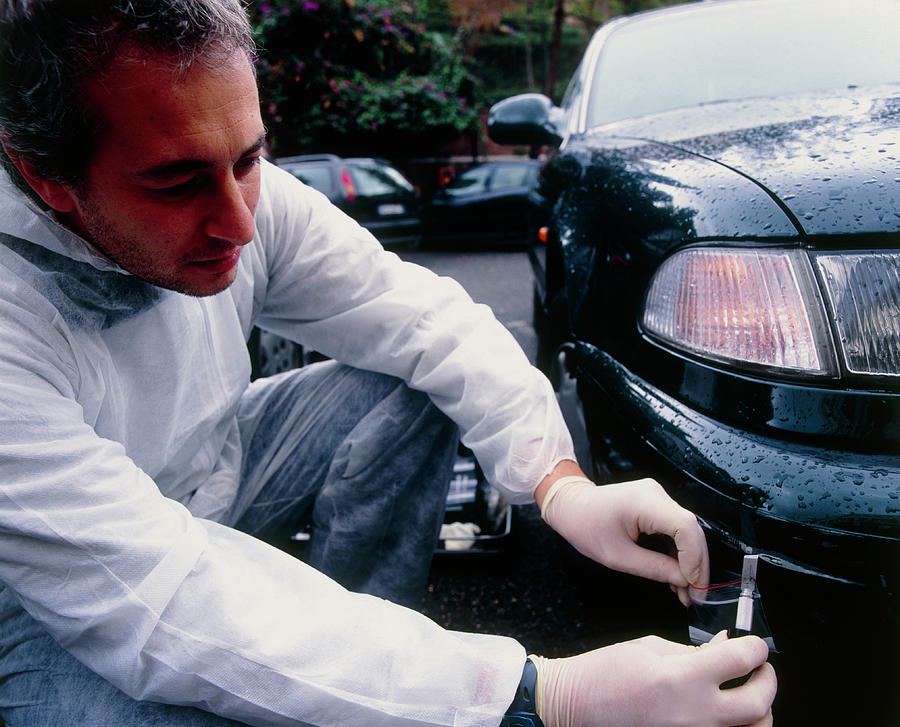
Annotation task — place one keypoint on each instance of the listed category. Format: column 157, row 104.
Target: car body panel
column 842, row 151
column 847, row 492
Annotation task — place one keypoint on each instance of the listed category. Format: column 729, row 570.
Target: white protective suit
column 119, row 451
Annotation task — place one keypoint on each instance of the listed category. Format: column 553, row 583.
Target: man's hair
column 49, row 49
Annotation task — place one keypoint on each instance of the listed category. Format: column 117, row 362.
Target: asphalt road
column 539, row 590
column 499, row 279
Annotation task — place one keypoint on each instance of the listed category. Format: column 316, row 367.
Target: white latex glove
column 604, row 523
column 651, row 682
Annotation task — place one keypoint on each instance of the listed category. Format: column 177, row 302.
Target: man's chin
column 199, row 285
column 203, row 291
column 208, row 277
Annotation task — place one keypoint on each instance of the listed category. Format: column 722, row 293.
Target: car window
column 744, row 50
column 510, row 175
column 397, row 178
column 316, row 176
column 373, row 180
column 472, row 181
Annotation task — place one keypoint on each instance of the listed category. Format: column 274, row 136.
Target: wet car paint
column 836, row 491
column 842, row 153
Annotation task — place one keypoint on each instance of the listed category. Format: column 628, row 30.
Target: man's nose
column 230, row 217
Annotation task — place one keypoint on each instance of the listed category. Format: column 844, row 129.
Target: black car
column 495, row 201
column 371, row 191
column 719, row 303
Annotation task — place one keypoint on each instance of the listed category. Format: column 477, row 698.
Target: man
column 142, row 239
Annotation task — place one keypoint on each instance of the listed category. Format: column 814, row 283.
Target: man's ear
column 54, row 193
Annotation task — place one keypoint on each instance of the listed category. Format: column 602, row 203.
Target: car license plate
column 391, row 209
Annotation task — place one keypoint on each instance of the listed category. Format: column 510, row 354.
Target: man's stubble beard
column 108, row 241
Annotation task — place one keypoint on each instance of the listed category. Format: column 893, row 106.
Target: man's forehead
column 143, row 99
column 141, row 75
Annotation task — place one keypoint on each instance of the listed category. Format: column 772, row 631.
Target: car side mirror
column 524, row 119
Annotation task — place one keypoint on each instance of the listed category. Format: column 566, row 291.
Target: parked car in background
column 371, row 191
column 719, row 304
column 491, row 202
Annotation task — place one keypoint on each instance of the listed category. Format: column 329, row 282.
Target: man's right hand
column 651, row 682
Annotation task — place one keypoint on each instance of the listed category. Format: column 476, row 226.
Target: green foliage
column 515, row 59
column 508, row 44
column 359, row 77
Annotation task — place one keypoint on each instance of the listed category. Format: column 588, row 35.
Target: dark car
column 371, row 191
column 491, row 202
column 720, row 299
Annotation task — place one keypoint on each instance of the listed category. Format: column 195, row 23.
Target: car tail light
column 864, row 295
column 349, row 189
column 757, row 308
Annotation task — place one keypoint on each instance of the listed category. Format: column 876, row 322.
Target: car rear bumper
column 395, row 231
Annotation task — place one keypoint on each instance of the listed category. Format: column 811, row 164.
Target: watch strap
column 523, row 710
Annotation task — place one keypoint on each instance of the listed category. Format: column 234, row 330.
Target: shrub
column 357, row 77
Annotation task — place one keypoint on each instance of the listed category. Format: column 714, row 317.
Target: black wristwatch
column 523, row 710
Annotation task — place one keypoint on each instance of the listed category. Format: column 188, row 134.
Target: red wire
column 718, row 585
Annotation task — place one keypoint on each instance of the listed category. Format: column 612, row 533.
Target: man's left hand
column 605, row 522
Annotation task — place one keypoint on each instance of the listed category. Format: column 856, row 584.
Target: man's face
column 170, row 191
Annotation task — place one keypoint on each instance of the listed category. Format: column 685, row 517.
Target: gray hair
column 50, row 48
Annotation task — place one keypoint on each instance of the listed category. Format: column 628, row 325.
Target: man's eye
column 180, row 190
column 247, row 165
